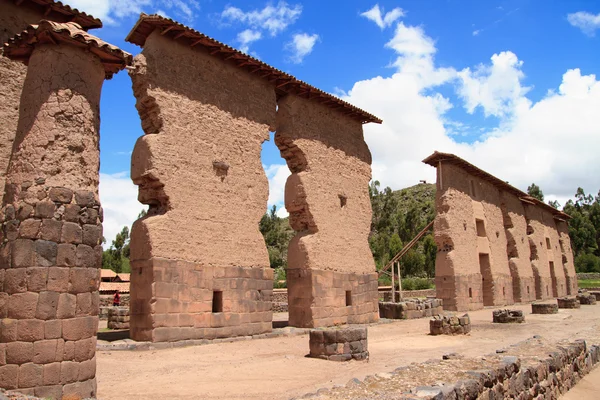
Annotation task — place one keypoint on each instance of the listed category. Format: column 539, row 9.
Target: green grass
column 589, row 283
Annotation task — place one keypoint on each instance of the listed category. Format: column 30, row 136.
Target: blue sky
column 511, row 85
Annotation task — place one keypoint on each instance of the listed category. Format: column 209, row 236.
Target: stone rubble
column 508, row 316
column 450, row 324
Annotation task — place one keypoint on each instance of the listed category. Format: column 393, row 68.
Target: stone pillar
column 52, row 221
column 331, row 273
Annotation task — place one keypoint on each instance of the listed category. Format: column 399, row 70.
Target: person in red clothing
column 116, row 299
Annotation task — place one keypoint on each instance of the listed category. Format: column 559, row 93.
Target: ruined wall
column 539, row 229
column 51, row 216
column 457, row 274
column 517, row 248
column 13, row 20
column 199, row 169
column 567, row 257
column 472, row 268
column 331, row 273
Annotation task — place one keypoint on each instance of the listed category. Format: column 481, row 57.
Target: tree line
column 398, row 216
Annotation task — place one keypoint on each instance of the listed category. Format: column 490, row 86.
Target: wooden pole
column 393, row 288
column 399, row 281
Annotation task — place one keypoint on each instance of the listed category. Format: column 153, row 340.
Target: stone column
column 52, row 229
column 331, row 273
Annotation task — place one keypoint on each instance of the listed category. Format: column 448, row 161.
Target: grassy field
column 589, row 283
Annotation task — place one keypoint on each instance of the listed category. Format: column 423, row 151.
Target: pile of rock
column 586, row 298
column 568, row 302
column 450, row 325
column 544, row 308
column 118, row 318
column 508, row 316
column 339, row 344
column 411, row 308
column 595, row 294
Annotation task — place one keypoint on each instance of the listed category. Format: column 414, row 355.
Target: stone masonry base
column 320, row 298
column 339, row 344
column 174, row 300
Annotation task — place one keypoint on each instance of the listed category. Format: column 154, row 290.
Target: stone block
column 67, row 305
column 92, row 234
column 80, row 390
column 51, row 230
column 72, row 213
column 30, row 330
column 79, row 328
column 86, row 257
column 71, row 233
column 47, row 305
column 22, row 305
column 29, row 228
column 22, row 253
column 60, row 195
column 568, row 302
column 9, row 376
column 508, row 316
column 45, row 351
column 85, row 198
column 45, row 253
column 45, row 209
column 69, row 372
column 19, row 352
column 15, row 280
column 544, row 308
column 66, row 256
column 8, row 330
column 85, row 349
column 58, row 279
column 49, row 392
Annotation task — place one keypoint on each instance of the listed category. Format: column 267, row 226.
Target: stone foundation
column 568, row 302
column 411, row 309
column 175, row 300
column 460, row 292
column 118, row 318
column 586, row 298
column 450, row 325
column 508, row 316
column 595, row 294
column 339, row 344
column 544, row 308
column 320, row 298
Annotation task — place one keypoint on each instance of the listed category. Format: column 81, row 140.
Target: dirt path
column 278, row 369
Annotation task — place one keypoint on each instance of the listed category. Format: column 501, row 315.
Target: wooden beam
column 196, row 42
column 212, row 53
column 284, row 83
column 48, row 11
column 167, row 29
column 180, row 35
column 18, row 2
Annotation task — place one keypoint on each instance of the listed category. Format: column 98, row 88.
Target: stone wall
column 448, row 324
column 200, row 267
column 51, row 253
column 494, row 248
column 339, row 344
column 331, row 274
column 411, row 309
column 118, row 318
column 588, row 275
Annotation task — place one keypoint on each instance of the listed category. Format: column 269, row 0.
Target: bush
column 417, row 284
column 279, row 278
column 587, row 263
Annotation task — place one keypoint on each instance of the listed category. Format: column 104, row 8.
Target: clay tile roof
column 57, row 11
column 21, row 46
column 111, row 287
column 438, row 157
column 124, row 277
column 107, row 273
column 283, row 82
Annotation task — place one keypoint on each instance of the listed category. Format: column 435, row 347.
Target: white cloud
column 587, row 22
column 118, row 196
column 301, row 45
column 382, row 20
column 552, row 142
column 496, row 88
column 277, row 175
column 112, row 12
column 246, row 37
column 274, row 19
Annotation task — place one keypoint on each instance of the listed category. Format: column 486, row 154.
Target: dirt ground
column 278, row 369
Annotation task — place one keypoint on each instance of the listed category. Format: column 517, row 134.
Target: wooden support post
column 399, row 282
column 393, row 288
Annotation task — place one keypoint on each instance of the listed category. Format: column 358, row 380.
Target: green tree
column 116, row 255
column 534, row 191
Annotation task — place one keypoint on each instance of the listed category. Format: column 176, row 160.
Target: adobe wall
column 567, row 257
column 13, row 20
column 461, row 281
column 457, row 274
column 199, row 169
column 51, row 252
column 540, row 226
column 518, row 252
column 331, row 273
